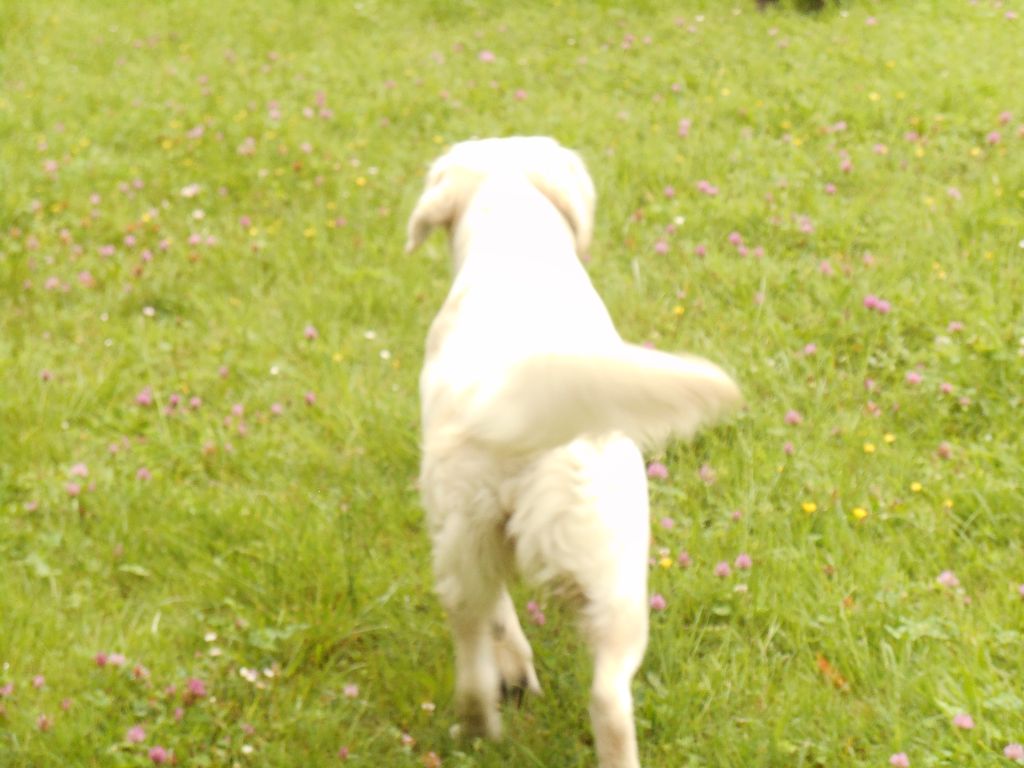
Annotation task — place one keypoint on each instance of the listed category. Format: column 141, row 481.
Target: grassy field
column 211, row 549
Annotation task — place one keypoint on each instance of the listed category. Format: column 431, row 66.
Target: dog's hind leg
column 617, row 631
column 512, row 651
column 469, row 565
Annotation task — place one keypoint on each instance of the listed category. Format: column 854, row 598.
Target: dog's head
column 559, row 173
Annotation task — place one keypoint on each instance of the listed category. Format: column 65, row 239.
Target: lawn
column 211, row 548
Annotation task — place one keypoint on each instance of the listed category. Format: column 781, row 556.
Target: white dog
column 533, row 407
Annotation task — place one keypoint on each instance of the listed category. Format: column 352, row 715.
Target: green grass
column 298, row 547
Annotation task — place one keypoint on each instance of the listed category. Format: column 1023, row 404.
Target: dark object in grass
column 801, row 5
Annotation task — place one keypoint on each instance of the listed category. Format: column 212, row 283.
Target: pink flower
column 743, row 561
column 684, row 127
column 1014, row 752
column 520, row 94
column 707, row 188
column 700, row 250
column 1020, row 590
column 45, row 375
column 794, row 417
column 145, row 397
column 830, row 189
column 100, row 659
column 159, row 755
column 948, row 579
column 657, row 602
column 735, row 238
column 143, row 474
column 900, row 760
column 351, row 691
column 993, row 137
column 195, row 402
column 846, row 165
column 945, row 450
column 871, row 301
column 44, row 723
column 913, row 378
column 79, row 470
column 136, row 734
column 536, row 614
column 685, row 561
column 1005, row 117
column 6, row 690
column 657, row 470
column 707, row 474
column 310, row 398
column 788, row 448
column 722, row 570
column 73, row 489
column 310, row 332
column 955, row 326
column 826, row 268
column 195, row 688
column 486, row 56
column 954, row 193
column 946, row 388
column 38, row 681
column 276, row 409
column 238, row 410
column 661, row 247
column 116, row 660
column 883, row 307
column 669, row 191
column 880, row 149
column 963, row 721
column 810, row 349
column 343, row 753
column 668, row 523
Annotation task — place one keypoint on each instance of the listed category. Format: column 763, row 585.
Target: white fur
column 532, row 409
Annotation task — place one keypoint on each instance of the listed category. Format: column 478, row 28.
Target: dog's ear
column 437, row 206
column 568, row 185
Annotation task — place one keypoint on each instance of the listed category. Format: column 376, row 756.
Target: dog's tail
column 550, row 399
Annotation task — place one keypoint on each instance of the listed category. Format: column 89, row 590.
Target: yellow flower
column 948, row 503
column 309, row 232
column 665, row 562
column 361, row 181
column 916, row 487
column 860, row 513
column 869, row 447
column 889, row 438
column 874, row 96
column 678, row 310
column 809, row 507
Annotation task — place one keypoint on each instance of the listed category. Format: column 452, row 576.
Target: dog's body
column 531, row 407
